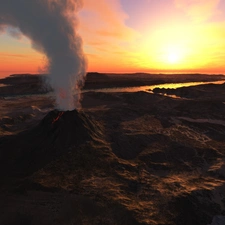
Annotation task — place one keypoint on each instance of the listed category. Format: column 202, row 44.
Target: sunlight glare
column 173, row 57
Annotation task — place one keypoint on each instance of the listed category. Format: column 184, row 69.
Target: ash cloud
column 51, row 27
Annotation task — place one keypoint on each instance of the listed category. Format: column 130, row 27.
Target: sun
column 173, row 57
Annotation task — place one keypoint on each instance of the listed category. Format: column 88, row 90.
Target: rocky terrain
column 125, row 158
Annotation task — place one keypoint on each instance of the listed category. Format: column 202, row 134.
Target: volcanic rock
column 58, row 133
column 218, row 220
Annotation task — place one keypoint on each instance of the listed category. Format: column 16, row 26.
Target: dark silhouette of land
column 124, row 158
column 39, row 84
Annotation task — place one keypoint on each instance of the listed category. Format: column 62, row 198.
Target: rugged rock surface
column 126, row 158
column 54, row 136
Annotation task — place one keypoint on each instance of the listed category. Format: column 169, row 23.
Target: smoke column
column 50, row 25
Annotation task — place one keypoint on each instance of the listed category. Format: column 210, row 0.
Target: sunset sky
column 136, row 36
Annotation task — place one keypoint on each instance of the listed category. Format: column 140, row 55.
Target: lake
column 149, row 88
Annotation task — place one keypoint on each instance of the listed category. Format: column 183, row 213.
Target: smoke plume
column 50, row 25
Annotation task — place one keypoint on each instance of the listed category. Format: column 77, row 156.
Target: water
column 149, row 88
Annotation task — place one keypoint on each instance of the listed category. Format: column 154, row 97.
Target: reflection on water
column 149, row 88
column 178, row 85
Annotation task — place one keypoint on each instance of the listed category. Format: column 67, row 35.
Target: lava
column 58, row 117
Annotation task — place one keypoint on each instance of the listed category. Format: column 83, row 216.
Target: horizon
column 124, row 36
column 3, row 75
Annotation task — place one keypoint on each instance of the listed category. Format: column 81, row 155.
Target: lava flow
column 58, row 116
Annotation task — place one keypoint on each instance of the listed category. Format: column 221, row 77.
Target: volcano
column 65, row 129
column 57, row 133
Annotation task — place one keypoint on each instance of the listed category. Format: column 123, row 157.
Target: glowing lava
column 58, row 117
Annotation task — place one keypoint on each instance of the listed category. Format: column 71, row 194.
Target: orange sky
column 135, row 36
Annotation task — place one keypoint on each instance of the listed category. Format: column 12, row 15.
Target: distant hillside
column 37, row 84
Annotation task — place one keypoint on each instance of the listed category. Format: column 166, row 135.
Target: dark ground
column 125, row 158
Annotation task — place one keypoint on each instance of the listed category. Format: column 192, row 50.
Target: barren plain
column 124, row 158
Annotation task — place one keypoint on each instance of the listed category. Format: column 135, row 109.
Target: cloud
column 104, row 20
column 198, row 10
column 3, row 54
column 2, row 29
column 14, row 32
column 51, row 27
column 103, row 28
